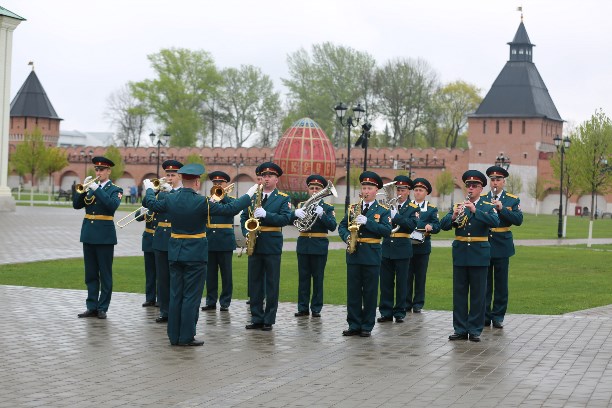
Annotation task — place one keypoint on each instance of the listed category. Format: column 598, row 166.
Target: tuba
column 252, row 224
column 217, row 193
column 353, row 211
column 389, row 198
column 309, row 206
column 462, row 217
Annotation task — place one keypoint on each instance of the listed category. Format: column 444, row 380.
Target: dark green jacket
column 477, row 252
column 221, row 238
column 150, row 220
column 401, row 247
column 377, row 227
column 188, row 212
column 427, row 215
column 502, row 244
column 317, row 245
column 104, row 201
column 278, row 214
column 162, row 232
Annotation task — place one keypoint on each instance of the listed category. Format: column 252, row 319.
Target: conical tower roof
column 32, row 101
column 519, row 90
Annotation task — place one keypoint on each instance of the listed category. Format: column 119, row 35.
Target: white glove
column 361, row 219
column 252, row 190
column 259, row 213
column 147, row 184
column 300, row 213
column 94, row 186
column 319, row 211
column 166, row 187
column 87, row 179
column 393, row 213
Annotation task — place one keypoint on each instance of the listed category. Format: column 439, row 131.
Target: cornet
column 158, row 183
column 217, row 193
column 83, row 188
column 143, row 213
column 462, row 217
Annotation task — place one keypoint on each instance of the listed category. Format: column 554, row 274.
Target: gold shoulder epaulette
column 413, row 205
column 486, row 202
column 384, row 206
column 511, row 195
column 483, row 194
column 431, row 205
column 283, row 194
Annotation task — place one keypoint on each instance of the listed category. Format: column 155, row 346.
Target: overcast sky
column 84, row 50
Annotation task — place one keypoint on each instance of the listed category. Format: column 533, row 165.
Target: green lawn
column 543, row 280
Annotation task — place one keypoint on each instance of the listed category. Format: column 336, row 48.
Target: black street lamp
column 86, row 158
column 502, row 161
column 358, row 111
column 159, row 143
column 561, row 148
column 363, row 142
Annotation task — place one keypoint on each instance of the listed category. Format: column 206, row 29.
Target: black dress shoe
column 351, row 332
column 193, row 342
column 254, row 326
column 458, row 336
column 383, row 319
column 487, row 323
column 266, row 327
column 364, row 334
column 498, row 325
column 248, row 302
column 399, row 319
column 302, row 313
column 209, row 307
column 148, row 303
column 161, row 319
column 316, row 314
column 416, row 310
column 475, row 337
column 224, row 308
column 88, row 313
column 101, row 314
column 156, row 304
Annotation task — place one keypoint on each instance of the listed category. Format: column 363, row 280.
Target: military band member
column 221, row 245
column 396, row 254
column 161, row 238
column 471, row 256
column 259, row 180
column 363, row 266
column 508, row 208
column 428, row 223
column 312, row 248
column 264, row 264
column 98, row 235
column 150, row 220
column 188, row 248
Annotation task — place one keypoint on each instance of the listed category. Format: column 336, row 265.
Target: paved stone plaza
column 52, row 359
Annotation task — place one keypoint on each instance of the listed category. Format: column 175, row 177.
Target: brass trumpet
column 217, row 193
column 84, row 187
column 158, row 183
column 143, row 212
column 462, row 217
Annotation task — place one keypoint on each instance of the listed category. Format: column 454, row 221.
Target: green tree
column 445, row 184
column 514, row 184
column 456, row 100
column 114, row 155
column 571, row 165
column 55, row 160
column 537, row 190
column 29, row 157
column 177, row 97
column 196, row 158
column 127, row 115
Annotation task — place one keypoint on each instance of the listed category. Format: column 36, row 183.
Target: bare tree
column 127, row 115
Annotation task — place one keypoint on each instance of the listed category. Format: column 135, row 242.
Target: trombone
column 217, row 193
column 84, row 187
column 143, row 212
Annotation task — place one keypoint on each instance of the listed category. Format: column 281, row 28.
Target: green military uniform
column 312, row 248
column 363, row 266
column 502, row 248
column 471, row 257
column 417, row 273
column 150, row 220
column 188, row 251
column 99, row 238
column 395, row 264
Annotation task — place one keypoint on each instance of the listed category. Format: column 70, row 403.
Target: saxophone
column 353, row 227
column 462, row 217
column 252, row 224
column 309, row 206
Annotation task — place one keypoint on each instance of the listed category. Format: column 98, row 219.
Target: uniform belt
column 369, row 240
column 502, row 229
column 219, row 225
column 472, row 239
column 313, row 234
column 270, row 229
column 164, row 224
column 99, row 217
column 400, row 235
column 150, row 230
column 188, row 236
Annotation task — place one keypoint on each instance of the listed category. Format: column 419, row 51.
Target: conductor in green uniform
column 471, row 256
column 363, row 265
column 312, row 247
column 264, row 264
column 98, row 235
column 508, row 208
column 188, row 248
